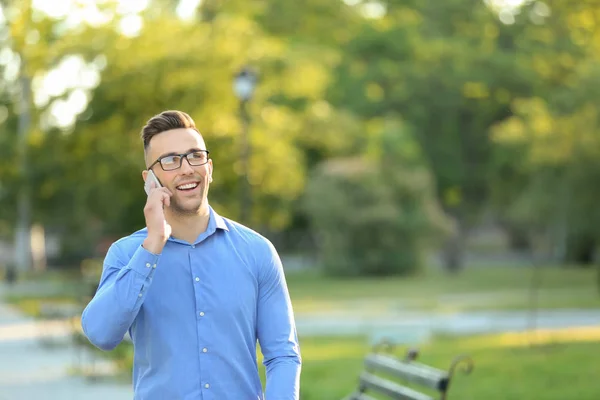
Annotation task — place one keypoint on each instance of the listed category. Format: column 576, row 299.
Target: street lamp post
column 243, row 86
column 23, row 228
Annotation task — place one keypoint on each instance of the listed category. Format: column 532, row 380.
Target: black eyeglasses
column 172, row 162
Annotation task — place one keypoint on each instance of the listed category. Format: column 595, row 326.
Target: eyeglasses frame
column 182, row 156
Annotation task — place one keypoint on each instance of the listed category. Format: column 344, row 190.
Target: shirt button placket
column 200, row 314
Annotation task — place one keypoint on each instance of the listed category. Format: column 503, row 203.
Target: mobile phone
column 151, row 178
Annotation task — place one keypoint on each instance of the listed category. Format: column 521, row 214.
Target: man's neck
column 188, row 226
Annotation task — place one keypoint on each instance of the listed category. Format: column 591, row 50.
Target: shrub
column 373, row 218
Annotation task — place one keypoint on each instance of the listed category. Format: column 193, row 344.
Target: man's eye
column 170, row 160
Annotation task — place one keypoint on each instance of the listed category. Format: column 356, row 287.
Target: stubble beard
column 193, row 206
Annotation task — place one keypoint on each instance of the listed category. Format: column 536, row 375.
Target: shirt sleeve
column 120, row 295
column 276, row 330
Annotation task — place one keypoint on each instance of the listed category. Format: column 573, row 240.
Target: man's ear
column 144, row 174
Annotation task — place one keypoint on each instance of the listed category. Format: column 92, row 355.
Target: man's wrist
column 154, row 245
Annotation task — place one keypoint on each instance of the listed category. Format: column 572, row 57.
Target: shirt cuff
column 144, row 262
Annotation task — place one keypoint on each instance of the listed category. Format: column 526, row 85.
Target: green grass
column 473, row 289
column 566, row 371
column 32, row 306
column 331, row 364
column 494, row 288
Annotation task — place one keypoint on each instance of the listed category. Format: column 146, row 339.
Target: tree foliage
column 493, row 109
column 375, row 215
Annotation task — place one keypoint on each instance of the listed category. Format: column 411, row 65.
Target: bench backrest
column 378, row 367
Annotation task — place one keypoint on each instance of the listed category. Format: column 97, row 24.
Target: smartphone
column 151, row 178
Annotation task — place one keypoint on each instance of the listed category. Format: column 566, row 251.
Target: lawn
column 504, row 369
column 561, row 366
column 550, row 372
column 474, row 289
column 491, row 288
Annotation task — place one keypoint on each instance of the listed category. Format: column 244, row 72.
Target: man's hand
column 158, row 228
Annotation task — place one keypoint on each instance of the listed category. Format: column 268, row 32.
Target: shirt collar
column 216, row 221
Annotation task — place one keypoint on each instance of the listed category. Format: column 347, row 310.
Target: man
column 194, row 290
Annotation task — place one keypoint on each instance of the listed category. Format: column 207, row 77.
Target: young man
column 194, row 290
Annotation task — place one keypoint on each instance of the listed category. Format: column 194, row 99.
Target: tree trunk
column 581, row 250
column 453, row 255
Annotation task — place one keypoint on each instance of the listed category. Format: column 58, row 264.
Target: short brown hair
column 165, row 121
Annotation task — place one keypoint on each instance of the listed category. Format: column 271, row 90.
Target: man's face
column 186, row 198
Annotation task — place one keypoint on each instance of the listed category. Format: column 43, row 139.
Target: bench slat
column 390, row 389
column 411, row 371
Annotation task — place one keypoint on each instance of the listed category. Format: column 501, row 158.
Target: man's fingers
column 165, row 198
column 166, row 191
column 160, row 196
column 163, row 191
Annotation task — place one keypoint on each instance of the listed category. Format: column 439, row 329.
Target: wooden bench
column 383, row 369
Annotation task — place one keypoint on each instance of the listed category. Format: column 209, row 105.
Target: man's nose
column 186, row 167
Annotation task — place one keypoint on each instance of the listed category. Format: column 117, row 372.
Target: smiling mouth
column 187, row 186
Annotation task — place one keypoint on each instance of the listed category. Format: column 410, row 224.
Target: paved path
column 37, row 363
column 31, row 372
column 415, row 326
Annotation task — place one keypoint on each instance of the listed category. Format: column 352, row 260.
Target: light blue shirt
column 195, row 313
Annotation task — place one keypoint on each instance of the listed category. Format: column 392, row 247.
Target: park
column 425, row 170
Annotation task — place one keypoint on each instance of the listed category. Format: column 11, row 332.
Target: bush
column 370, row 219
column 377, row 213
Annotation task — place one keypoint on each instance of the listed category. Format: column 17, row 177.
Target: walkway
column 37, row 363
column 414, row 326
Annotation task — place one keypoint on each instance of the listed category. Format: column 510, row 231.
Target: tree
column 375, row 215
column 549, row 163
column 32, row 44
column 449, row 70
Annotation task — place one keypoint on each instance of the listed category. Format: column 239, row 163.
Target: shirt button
column 193, row 246
column 147, row 265
column 140, row 295
column 204, row 350
column 154, row 266
column 207, row 385
column 197, row 279
column 202, row 313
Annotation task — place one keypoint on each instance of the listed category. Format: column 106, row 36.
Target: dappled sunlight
column 46, row 375
column 534, row 337
column 36, row 330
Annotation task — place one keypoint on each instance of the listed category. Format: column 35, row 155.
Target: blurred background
column 426, row 170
